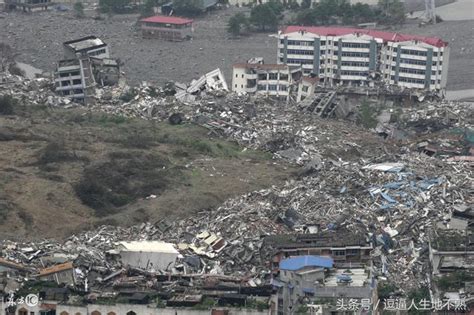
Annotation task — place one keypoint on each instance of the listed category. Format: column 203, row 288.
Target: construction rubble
column 393, row 193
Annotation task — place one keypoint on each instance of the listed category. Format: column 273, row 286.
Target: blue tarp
column 299, row 262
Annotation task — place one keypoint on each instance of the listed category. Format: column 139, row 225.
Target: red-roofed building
column 339, row 55
column 167, row 27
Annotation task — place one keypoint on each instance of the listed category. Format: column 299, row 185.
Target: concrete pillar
column 317, row 56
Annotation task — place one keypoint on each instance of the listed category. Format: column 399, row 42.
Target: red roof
column 385, row 36
column 167, row 20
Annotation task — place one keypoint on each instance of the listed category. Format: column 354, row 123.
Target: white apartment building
column 360, row 56
column 74, row 79
column 274, row 80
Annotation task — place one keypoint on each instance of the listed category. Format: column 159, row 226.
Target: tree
column 113, row 6
column 79, row 9
column 147, row 9
column 306, row 4
column 6, row 56
column 236, row 23
column 265, row 16
column 393, row 11
column 188, row 8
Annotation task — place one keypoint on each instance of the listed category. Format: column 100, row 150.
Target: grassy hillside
column 65, row 170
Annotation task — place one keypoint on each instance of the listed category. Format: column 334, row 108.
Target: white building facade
column 361, row 56
column 275, row 80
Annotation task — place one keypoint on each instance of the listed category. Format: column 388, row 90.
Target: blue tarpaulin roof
column 299, row 262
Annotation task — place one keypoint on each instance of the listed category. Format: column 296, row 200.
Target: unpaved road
column 38, row 38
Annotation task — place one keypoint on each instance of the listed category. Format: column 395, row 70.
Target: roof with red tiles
column 163, row 19
column 385, row 36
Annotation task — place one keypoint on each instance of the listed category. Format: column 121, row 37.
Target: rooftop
column 167, row 20
column 259, row 66
column 299, row 262
column 84, row 43
column 385, row 36
column 149, row 246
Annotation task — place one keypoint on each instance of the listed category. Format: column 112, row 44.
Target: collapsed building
column 274, row 80
column 87, row 65
column 365, row 57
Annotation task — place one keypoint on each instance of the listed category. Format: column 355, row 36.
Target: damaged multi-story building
column 365, row 57
column 451, row 256
column 86, row 65
column 274, row 80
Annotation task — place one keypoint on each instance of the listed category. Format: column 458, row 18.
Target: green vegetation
column 79, row 9
column 55, row 152
column 236, row 23
column 114, row 6
column 302, row 309
column 188, row 8
column 265, row 17
column 367, row 116
column 385, row 289
column 206, row 304
column 256, row 304
column 340, row 11
column 123, row 179
column 7, row 104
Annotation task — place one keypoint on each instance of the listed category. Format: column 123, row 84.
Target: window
column 131, row 313
column 242, row 86
column 305, row 88
column 236, row 86
column 22, row 311
column 95, row 313
column 242, row 76
column 283, row 76
column 64, row 313
column 261, row 87
column 272, row 87
column 273, row 76
column 77, row 81
column 236, row 75
column 339, row 253
column 283, row 88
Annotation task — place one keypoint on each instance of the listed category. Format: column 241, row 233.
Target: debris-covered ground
column 392, row 189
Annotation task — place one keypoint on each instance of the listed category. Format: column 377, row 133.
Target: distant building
column 74, row 79
column 275, row 80
column 28, row 5
column 91, row 46
column 317, row 281
column 364, row 57
column 167, row 27
column 86, row 65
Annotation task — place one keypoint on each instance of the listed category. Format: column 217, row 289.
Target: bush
column 123, row 179
column 7, row 104
column 55, row 152
column 79, row 9
column 366, row 116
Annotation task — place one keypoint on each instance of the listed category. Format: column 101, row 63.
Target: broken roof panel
column 149, row 246
column 55, row 269
column 85, row 43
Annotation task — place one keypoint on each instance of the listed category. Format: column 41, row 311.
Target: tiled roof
column 166, row 20
column 385, row 36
